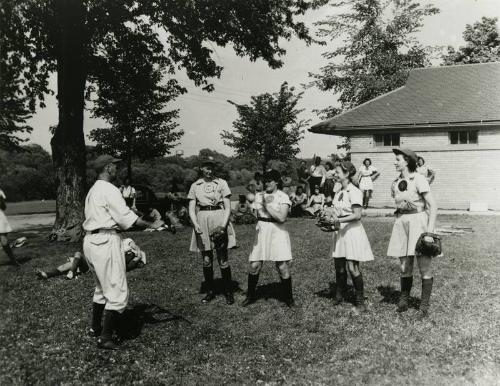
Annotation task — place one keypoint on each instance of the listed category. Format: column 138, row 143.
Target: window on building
column 463, row 137
column 391, row 139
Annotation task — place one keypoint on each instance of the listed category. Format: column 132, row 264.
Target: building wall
column 464, row 173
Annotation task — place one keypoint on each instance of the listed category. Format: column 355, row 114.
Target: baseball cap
column 104, row 160
column 272, row 175
column 406, row 152
column 208, row 161
column 348, row 167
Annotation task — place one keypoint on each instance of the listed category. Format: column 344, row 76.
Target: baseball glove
column 219, row 237
column 428, row 248
column 328, row 222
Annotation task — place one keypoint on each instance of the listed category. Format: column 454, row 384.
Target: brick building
column 450, row 116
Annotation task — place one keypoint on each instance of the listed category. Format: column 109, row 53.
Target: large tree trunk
column 68, row 142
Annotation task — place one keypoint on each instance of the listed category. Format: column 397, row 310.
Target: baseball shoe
column 41, row 274
column 107, row 344
column 208, row 297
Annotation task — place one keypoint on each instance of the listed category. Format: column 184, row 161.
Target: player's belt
column 210, row 207
column 411, row 211
column 265, row 219
column 103, row 230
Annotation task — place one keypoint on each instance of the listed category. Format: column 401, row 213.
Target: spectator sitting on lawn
column 316, row 202
column 157, row 224
column 299, row 202
column 244, row 212
column 76, row 264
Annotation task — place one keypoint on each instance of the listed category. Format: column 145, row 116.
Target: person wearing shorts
column 416, row 213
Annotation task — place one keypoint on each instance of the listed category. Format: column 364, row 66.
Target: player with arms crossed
column 416, row 213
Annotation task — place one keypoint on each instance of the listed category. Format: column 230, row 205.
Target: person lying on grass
column 76, row 264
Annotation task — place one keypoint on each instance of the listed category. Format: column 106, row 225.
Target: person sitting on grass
column 77, row 265
column 244, row 212
column 299, row 202
column 316, row 202
column 157, row 224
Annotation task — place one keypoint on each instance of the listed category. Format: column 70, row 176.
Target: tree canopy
column 269, row 128
column 482, row 44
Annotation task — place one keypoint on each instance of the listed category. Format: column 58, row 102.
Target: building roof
column 435, row 96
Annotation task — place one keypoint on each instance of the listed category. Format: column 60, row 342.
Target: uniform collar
column 411, row 176
column 201, row 181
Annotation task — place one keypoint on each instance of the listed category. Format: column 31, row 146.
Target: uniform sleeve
column 374, row 169
column 191, row 195
column 119, row 210
column 356, row 197
column 421, row 184
column 285, row 200
column 224, row 189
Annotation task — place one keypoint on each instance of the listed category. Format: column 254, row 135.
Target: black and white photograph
column 250, row 192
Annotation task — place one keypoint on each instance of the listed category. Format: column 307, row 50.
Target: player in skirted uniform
column 209, row 208
column 350, row 245
column 5, row 229
column 272, row 241
column 416, row 213
column 105, row 214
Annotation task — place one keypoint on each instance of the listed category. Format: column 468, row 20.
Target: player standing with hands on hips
column 350, row 245
column 209, row 211
column 272, row 241
column 416, row 213
column 105, row 214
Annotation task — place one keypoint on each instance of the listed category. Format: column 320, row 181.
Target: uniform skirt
column 4, row 224
column 405, row 233
column 351, row 242
column 366, row 183
column 209, row 220
column 272, row 243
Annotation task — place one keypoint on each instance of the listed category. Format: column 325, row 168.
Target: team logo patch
column 341, row 196
column 403, row 185
column 269, row 199
column 209, row 188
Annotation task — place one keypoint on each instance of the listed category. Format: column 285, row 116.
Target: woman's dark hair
column 412, row 163
column 330, row 165
column 421, row 158
column 257, row 175
column 349, row 168
column 299, row 187
column 367, row 159
column 317, row 160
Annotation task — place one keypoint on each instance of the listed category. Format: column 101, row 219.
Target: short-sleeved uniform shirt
column 273, row 200
column 209, row 193
column 410, row 189
column 345, row 199
column 105, row 208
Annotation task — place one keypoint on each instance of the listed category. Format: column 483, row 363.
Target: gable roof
column 434, row 96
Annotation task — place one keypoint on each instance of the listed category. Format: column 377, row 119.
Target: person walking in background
column 424, row 170
column 367, row 174
column 128, row 193
column 317, row 174
column 209, row 209
column 5, row 229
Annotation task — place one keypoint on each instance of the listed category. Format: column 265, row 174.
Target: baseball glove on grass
column 219, row 237
column 428, row 248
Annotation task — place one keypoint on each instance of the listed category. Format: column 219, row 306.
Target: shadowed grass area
column 173, row 338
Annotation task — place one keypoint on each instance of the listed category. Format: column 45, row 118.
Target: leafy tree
column 268, row 129
column 133, row 101
column 377, row 53
column 482, row 44
column 71, row 37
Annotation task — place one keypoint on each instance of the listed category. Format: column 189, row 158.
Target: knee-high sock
column 226, row 278
column 252, row 285
column 208, row 274
column 426, row 294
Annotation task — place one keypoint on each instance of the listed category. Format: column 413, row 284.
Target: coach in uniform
column 416, row 213
column 272, row 241
column 105, row 214
column 209, row 208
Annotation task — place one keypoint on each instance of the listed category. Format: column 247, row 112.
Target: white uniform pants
column 106, row 261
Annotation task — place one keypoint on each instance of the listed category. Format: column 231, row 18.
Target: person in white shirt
column 128, row 193
column 317, row 174
column 105, row 214
column 5, row 229
column 272, row 241
column 316, row 202
column 426, row 171
column 328, row 190
column 367, row 174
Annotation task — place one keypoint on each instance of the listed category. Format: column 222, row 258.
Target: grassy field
column 31, row 207
column 42, row 327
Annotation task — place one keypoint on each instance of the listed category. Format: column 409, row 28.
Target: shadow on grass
column 20, row 260
column 219, row 287
column 329, row 293
column 391, row 295
column 133, row 319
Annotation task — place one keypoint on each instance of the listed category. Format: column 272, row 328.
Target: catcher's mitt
column 428, row 248
column 219, row 237
column 328, row 222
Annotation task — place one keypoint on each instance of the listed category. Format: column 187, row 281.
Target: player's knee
column 283, row 270
column 255, row 268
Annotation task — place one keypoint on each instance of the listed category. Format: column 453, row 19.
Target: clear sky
column 204, row 115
